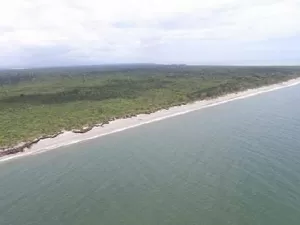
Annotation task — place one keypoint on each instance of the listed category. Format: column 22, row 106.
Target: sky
column 36, row 33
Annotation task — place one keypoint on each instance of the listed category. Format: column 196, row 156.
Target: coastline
column 65, row 138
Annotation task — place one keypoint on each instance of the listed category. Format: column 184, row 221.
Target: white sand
column 68, row 138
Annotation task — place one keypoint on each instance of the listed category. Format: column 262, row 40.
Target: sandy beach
column 68, row 137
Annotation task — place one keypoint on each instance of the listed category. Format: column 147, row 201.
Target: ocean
column 234, row 164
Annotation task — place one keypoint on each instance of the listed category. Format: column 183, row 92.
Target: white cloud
column 139, row 30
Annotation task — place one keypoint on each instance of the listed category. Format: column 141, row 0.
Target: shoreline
column 65, row 138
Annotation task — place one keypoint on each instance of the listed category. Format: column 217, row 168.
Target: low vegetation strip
column 41, row 102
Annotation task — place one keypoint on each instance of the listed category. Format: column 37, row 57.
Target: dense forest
column 36, row 102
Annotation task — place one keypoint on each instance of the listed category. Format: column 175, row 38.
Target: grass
column 46, row 104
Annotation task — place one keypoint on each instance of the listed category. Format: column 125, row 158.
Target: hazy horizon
column 146, row 64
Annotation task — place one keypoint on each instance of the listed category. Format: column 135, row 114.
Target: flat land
column 36, row 102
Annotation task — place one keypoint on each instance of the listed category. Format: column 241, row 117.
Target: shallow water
column 237, row 163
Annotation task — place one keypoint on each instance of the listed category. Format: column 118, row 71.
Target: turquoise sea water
column 237, row 164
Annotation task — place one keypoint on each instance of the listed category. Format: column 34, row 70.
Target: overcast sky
column 72, row 32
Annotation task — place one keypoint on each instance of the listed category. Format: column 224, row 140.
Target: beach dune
column 69, row 137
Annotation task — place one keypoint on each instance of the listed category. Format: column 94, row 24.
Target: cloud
column 52, row 32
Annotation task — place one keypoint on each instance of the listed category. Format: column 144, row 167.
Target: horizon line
column 157, row 64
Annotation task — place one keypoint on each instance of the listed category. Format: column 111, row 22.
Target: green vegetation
column 45, row 101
